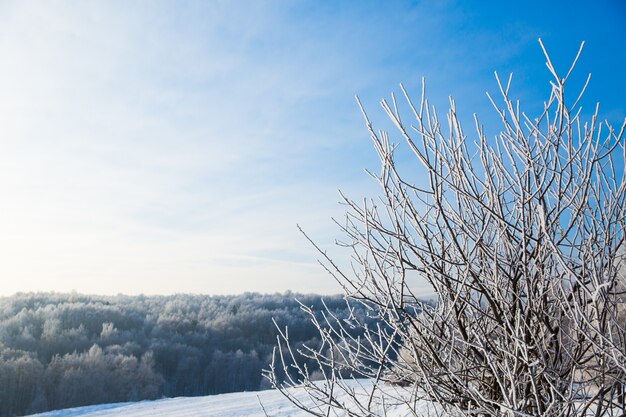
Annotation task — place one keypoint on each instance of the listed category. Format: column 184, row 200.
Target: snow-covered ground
column 239, row 404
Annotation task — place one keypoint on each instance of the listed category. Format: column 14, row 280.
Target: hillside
column 240, row 404
column 223, row 405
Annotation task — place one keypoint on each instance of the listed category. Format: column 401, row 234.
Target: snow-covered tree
column 518, row 237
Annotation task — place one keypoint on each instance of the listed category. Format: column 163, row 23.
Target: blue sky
column 160, row 147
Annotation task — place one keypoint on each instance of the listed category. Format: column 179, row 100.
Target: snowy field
column 225, row 405
column 239, row 404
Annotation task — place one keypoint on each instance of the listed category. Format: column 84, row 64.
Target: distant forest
column 68, row 350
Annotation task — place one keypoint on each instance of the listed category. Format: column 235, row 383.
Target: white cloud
column 156, row 148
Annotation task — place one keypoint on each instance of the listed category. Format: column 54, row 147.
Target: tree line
column 68, row 350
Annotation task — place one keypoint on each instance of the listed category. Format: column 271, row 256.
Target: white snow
column 239, row 404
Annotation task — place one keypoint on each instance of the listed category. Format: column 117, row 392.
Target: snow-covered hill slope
column 239, row 404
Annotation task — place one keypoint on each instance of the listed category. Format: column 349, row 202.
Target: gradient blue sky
column 160, row 147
